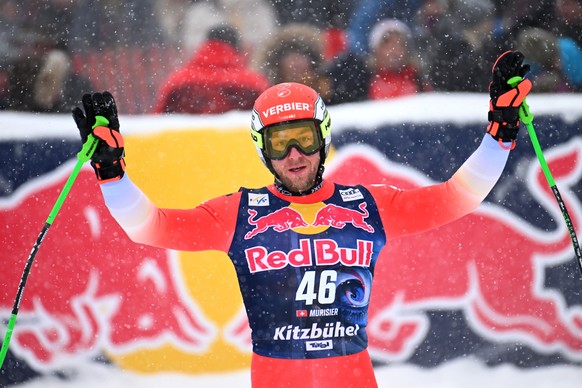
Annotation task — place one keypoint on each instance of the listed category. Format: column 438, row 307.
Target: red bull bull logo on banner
column 85, row 294
column 493, row 269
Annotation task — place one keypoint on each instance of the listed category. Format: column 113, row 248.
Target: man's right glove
column 506, row 98
column 100, row 119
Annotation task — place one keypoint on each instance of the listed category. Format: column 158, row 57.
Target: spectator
column 571, row 57
column 394, row 69
column 542, row 51
column 56, row 86
column 24, row 42
column 368, row 12
column 461, row 61
column 295, row 54
column 45, row 84
column 432, row 24
column 330, row 16
column 215, row 80
column 390, row 69
column 568, row 19
column 568, row 28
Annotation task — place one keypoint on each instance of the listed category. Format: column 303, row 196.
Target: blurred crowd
column 212, row 56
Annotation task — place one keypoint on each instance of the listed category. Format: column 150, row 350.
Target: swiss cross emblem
column 301, row 313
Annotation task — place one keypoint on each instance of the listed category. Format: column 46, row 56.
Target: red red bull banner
column 500, row 285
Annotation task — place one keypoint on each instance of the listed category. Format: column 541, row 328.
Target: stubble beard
column 302, row 185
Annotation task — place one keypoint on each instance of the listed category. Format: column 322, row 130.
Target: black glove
column 100, row 119
column 506, row 98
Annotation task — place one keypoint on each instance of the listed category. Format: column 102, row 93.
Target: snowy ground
column 463, row 373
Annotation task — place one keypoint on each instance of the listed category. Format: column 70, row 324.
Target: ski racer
column 305, row 281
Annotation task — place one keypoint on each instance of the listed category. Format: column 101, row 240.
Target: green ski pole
column 82, row 156
column 527, row 118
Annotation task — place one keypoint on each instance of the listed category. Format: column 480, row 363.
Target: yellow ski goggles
column 303, row 135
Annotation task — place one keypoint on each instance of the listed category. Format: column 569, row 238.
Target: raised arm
column 406, row 212
column 209, row 226
column 413, row 211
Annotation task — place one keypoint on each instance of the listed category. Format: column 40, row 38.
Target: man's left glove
column 100, row 119
column 507, row 90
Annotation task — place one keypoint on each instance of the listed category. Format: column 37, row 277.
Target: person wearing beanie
column 395, row 71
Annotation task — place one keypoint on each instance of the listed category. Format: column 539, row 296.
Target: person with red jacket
column 215, row 80
column 304, row 248
column 393, row 66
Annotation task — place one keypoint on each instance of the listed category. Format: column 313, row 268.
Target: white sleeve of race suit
column 483, row 168
column 130, row 207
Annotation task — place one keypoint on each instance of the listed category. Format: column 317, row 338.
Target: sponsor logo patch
column 318, row 345
column 351, row 195
column 258, row 199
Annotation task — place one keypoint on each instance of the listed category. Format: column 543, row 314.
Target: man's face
column 297, row 170
column 294, row 150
